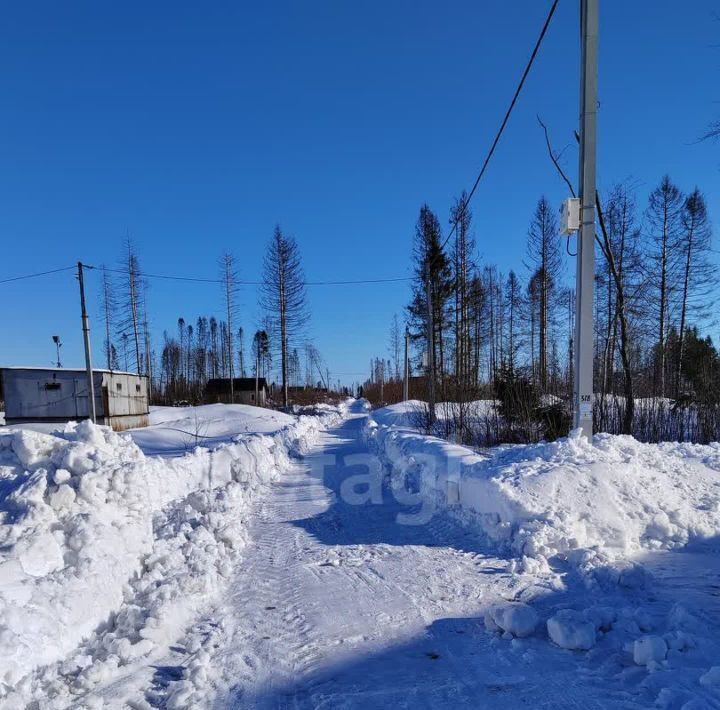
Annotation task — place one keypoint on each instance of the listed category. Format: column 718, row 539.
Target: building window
column 137, row 388
column 118, row 386
column 52, row 385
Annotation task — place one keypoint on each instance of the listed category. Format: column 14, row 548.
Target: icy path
column 337, row 605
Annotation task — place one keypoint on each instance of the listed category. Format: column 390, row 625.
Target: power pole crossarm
column 583, row 385
column 86, row 340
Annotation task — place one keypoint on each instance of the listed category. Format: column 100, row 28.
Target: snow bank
column 178, row 430
column 405, row 415
column 412, row 414
column 89, row 523
column 589, row 503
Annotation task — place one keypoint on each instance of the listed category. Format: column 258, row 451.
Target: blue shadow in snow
column 385, row 522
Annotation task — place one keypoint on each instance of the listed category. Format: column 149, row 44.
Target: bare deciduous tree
column 664, row 219
column 396, row 344
column 108, row 304
column 131, row 299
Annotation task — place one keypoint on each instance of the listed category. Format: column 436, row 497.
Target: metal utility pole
column 430, row 350
column 406, row 370
column 583, row 384
column 86, row 339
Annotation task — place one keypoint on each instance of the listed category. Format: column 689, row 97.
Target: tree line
column 477, row 331
column 208, row 347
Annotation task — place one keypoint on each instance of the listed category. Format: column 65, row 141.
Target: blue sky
column 198, row 126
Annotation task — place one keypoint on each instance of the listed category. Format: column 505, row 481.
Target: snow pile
column 585, row 526
column 178, row 430
column 405, row 415
column 413, row 413
column 91, row 525
column 589, row 503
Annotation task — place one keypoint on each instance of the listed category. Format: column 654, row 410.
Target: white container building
column 40, row 394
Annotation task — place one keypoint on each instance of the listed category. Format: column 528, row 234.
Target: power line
column 40, row 273
column 198, row 279
column 242, row 282
column 168, row 277
column 504, row 122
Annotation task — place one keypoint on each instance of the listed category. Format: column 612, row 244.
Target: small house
column 218, row 390
column 40, row 394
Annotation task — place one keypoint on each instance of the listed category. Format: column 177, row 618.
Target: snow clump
column 571, row 630
column 515, row 619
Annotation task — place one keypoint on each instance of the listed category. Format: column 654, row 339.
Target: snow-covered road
column 319, row 565
column 336, row 604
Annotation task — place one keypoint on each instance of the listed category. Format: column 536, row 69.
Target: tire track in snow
column 338, row 606
column 322, row 581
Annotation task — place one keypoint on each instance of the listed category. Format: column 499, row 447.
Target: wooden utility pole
column 406, row 370
column 257, row 371
column 86, row 340
column 229, row 332
column 430, row 349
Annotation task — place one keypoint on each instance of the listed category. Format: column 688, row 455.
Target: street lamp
column 58, row 345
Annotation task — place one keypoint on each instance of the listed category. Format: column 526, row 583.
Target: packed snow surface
column 92, row 527
column 338, row 558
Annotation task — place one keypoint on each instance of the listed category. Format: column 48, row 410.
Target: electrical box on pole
column 585, row 275
column 570, row 216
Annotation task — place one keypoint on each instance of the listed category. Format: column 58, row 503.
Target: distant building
column 218, row 390
column 39, row 394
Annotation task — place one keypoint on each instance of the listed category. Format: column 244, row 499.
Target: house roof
column 68, row 369
column 241, row 384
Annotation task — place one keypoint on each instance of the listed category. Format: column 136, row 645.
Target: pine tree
column 545, row 265
column 433, row 274
column 283, row 296
column 228, row 278
column 693, row 248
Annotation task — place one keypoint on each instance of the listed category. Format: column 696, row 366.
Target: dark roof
column 240, row 384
